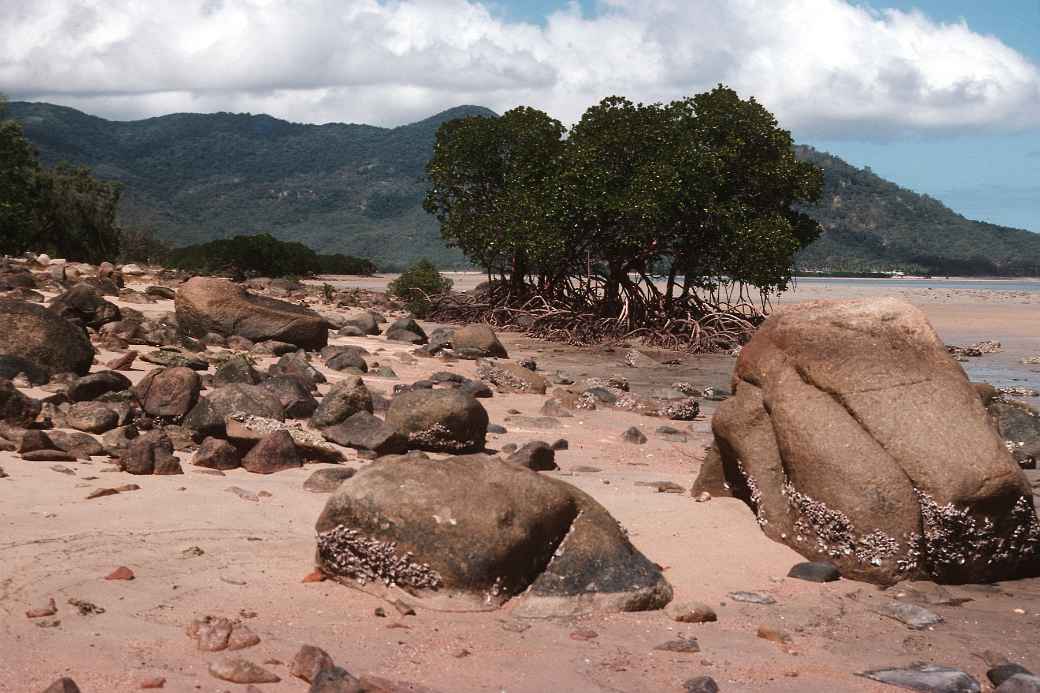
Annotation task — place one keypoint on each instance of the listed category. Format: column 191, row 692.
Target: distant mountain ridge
column 358, row 189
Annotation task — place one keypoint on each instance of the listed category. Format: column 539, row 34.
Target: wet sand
column 255, row 554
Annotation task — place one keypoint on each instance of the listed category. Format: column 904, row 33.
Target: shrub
column 417, row 284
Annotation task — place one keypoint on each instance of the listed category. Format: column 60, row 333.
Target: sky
column 940, row 96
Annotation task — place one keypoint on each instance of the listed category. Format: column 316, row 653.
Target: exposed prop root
column 710, row 329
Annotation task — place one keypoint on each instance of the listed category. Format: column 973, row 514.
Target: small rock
column 915, row 617
column 814, row 571
column 703, row 497
column 584, row 634
column 751, row 598
column 123, row 362
column 925, row 677
column 701, row 684
column 536, row 455
column 41, row 610
column 211, row 633
column 63, row 685
column 633, row 436
column 309, row 662
column 1002, row 672
column 774, row 634
column 327, row 480
column 242, row 636
column 102, row 492
column 339, row 680
column 238, row 670
column 685, row 645
column 86, row 608
column 1020, row 683
column 691, row 612
column 152, row 682
column 243, row 493
column 663, row 486
column 121, row 573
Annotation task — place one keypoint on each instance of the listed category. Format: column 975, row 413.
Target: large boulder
column 473, row 531
column 169, row 392
column 439, row 420
column 209, row 416
column 477, row 341
column 206, row 304
column 39, row 343
column 857, row 439
column 83, row 305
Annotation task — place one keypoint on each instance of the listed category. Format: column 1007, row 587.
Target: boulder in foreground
column 206, row 304
column 40, row 343
column 473, row 531
column 858, row 440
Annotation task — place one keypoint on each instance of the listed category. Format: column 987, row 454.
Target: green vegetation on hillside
column 262, row 255
column 63, row 210
column 358, row 190
column 337, row 188
column 871, row 224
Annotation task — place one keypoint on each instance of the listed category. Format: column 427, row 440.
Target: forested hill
column 357, row 189
column 872, row 224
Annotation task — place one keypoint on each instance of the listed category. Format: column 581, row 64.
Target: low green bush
column 416, row 284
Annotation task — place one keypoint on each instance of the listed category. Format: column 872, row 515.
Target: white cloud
column 826, row 67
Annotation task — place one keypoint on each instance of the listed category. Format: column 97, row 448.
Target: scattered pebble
column 121, row 573
column 238, row 670
column 49, row 608
column 683, row 645
column 751, row 598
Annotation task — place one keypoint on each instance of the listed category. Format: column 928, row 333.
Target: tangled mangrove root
column 712, row 330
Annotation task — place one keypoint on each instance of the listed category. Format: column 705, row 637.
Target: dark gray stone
column 537, row 455
column 929, row 678
column 814, row 571
column 363, row 431
column 327, row 480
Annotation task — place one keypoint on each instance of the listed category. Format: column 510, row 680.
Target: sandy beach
column 197, row 548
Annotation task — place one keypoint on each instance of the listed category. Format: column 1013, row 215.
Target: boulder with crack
column 473, row 531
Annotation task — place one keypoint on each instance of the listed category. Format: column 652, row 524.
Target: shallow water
column 1031, row 285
